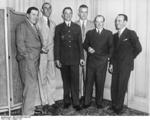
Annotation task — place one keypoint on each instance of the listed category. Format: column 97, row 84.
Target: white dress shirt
column 99, row 30
column 68, row 23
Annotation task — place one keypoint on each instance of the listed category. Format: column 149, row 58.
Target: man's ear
column 78, row 14
column 42, row 10
column 27, row 15
column 62, row 16
column 125, row 23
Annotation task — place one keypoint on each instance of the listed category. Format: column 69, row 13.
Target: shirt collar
column 68, row 22
column 99, row 30
column 45, row 18
column 30, row 22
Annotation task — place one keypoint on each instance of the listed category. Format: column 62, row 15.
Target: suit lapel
column 87, row 25
column 78, row 22
column 122, row 37
column 32, row 30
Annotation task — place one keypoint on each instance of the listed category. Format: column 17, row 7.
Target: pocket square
column 125, row 39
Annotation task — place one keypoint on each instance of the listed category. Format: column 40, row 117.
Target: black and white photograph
column 83, row 58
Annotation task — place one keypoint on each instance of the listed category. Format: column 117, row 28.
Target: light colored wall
column 58, row 6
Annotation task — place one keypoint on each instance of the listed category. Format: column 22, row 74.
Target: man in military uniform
column 68, row 53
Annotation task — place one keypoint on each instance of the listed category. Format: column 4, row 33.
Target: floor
column 91, row 111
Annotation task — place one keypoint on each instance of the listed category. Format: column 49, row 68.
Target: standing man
column 49, row 75
column 28, row 41
column 99, row 46
column 85, row 25
column 126, row 48
column 68, row 53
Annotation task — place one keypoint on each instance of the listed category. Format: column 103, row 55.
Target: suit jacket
column 48, row 36
column 126, row 48
column 102, row 44
column 68, row 44
column 28, row 41
column 89, row 26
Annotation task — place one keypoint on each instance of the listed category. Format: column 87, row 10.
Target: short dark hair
column 69, row 8
column 125, row 16
column 83, row 6
column 45, row 4
column 99, row 16
column 32, row 8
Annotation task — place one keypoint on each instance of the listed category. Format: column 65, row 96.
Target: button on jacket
column 68, row 44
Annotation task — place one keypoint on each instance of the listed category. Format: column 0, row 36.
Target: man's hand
column 82, row 62
column 44, row 51
column 110, row 68
column 58, row 64
column 91, row 50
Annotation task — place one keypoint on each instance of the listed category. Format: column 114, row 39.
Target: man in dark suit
column 85, row 25
column 126, row 48
column 28, row 42
column 99, row 46
column 68, row 53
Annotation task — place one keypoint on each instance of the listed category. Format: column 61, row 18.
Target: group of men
column 76, row 52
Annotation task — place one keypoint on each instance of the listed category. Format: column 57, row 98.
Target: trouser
column 29, row 76
column 70, row 76
column 120, row 78
column 96, row 75
column 47, row 80
column 82, row 77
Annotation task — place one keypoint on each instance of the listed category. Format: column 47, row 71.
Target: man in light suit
column 49, row 75
column 99, row 46
column 126, row 49
column 68, row 53
column 28, row 42
column 85, row 25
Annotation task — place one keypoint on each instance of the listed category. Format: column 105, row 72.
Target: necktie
column 48, row 22
column 99, row 31
column 119, row 34
column 83, row 29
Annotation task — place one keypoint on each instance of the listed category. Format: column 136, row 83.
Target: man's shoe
column 55, row 106
column 78, row 108
column 86, row 106
column 38, row 112
column 82, row 100
column 111, row 108
column 45, row 108
column 100, row 106
column 66, row 105
column 118, row 111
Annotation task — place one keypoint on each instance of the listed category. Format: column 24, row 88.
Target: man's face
column 67, row 15
column 47, row 10
column 83, row 13
column 99, row 22
column 120, row 23
column 33, row 16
